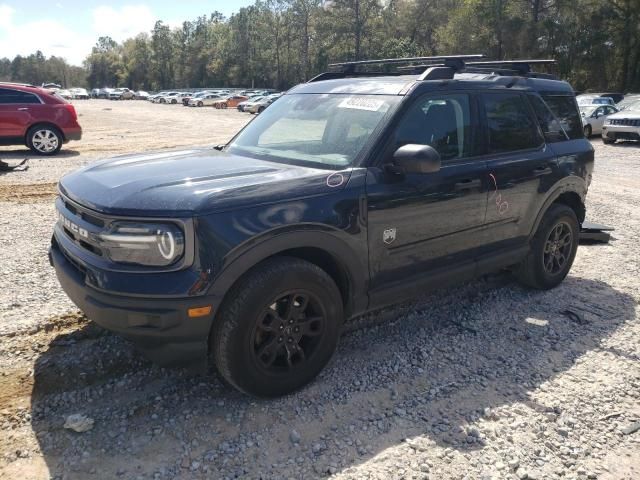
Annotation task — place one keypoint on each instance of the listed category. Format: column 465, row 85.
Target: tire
column 258, row 347
column 200, row 104
column 552, row 251
column 174, row 101
column 162, row 100
column 587, row 131
column 223, row 106
column 261, row 109
column 608, row 141
column 44, row 139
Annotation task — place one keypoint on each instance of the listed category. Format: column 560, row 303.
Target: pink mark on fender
column 335, row 180
column 501, row 205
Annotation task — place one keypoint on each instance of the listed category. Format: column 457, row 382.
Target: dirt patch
column 30, row 193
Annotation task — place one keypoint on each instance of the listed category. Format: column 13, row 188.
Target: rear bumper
column 72, row 134
column 159, row 327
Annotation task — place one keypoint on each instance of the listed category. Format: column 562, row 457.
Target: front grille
column 81, row 226
column 627, row 122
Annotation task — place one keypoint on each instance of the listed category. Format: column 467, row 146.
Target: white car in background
column 173, row 97
column 593, row 117
column 205, row 100
column 156, row 98
column 79, row 93
column 586, row 99
column 260, row 105
column 624, row 125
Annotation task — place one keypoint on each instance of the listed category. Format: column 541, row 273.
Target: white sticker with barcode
column 362, row 103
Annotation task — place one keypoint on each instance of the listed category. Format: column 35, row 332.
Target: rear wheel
column 278, row 328
column 261, row 109
column 553, row 249
column 44, row 140
column 587, row 131
column 223, row 105
column 200, row 104
column 174, row 101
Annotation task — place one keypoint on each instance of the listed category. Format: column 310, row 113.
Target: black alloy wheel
column 558, row 248
column 287, row 332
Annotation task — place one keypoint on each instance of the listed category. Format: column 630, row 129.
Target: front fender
column 344, row 251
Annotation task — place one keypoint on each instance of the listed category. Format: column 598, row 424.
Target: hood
column 630, row 114
column 192, row 182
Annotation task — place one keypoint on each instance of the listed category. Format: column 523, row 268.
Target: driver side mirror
column 414, row 158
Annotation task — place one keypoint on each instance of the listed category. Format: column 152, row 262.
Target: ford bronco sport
column 353, row 191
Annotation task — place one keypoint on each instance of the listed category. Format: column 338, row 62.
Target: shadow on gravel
column 423, row 379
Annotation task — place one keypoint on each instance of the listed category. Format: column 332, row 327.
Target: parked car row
column 602, row 115
column 244, row 101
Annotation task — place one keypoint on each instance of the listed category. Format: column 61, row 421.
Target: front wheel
column 200, row 104
column 553, row 249
column 261, row 109
column 174, row 101
column 587, row 131
column 278, row 327
column 608, row 141
column 44, row 140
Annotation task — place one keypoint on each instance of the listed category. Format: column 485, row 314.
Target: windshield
column 327, row 130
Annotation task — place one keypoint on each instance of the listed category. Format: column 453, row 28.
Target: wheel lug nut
column 297, row 329
column 290, row 340
column 290, row 321
column 279, row 339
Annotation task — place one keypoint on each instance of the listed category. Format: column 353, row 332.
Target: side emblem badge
column 389, row 235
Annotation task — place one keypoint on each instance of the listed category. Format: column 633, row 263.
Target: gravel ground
column 486, row 380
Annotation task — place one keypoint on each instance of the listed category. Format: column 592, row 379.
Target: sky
column 69, row 29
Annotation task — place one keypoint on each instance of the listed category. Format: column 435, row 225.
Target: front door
column 421, row 222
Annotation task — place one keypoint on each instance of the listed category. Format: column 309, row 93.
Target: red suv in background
column 36, row 118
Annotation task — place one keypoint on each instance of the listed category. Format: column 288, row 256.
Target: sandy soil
column 487, row 380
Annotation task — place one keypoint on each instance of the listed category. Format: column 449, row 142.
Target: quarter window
column 565, row 109
column 511, row 126
column 551, row 128
column 443, row 122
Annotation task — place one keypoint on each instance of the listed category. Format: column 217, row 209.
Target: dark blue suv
column 351, row 192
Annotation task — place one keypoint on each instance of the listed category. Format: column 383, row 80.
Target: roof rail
column 349, row 67
column 521, row 66
column 18, row 84
column 438, row 67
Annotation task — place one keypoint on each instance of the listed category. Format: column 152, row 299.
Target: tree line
column 279, row 43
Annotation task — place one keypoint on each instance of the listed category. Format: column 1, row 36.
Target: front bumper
column 159, row 327
column 621, row 132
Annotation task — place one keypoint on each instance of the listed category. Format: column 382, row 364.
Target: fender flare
column 573, row 184
column 243, row 258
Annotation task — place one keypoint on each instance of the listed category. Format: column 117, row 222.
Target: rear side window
column 565, row 110
column 551, row 127
column 511, row 126
column 8, row 95
column 443, row 122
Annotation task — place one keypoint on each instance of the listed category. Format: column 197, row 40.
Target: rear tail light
column 72, row 111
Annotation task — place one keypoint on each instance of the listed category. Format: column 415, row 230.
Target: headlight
column 149, row 244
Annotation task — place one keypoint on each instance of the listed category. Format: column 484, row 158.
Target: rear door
column 16, row 110
column 520, row 168
column 419, row 223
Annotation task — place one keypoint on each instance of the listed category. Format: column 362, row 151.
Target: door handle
column 546, row 170
column 23, row 109
column 468, row 184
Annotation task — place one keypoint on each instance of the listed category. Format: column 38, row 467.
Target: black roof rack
column 438, row 67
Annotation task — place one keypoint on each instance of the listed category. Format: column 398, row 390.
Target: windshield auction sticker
column 362, row 103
